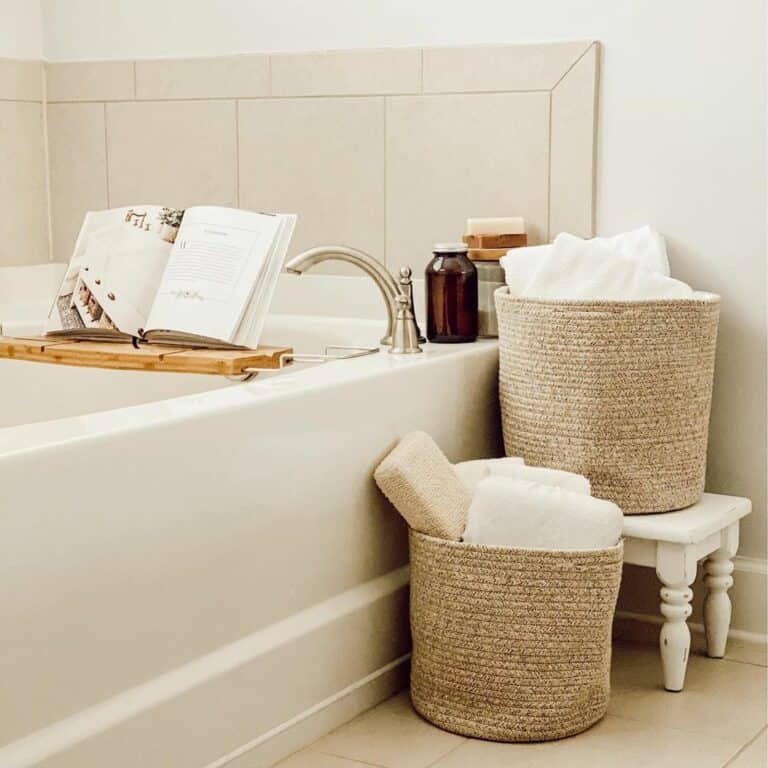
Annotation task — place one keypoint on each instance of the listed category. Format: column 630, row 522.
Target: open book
column 203, row 277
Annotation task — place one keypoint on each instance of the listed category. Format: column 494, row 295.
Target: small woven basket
column 511, row 644
column 618, row 391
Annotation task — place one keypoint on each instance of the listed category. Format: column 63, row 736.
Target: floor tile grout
column 449, row 752
column 661, row 727
column 344, row 757
column 642, row 708
column 744, row 747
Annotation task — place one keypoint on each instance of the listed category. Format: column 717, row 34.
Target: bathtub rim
column 32, row 437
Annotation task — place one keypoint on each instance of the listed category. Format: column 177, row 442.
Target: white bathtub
column 199, row 572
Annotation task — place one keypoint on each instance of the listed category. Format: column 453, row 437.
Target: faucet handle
column 405, row 335
column 406, row 288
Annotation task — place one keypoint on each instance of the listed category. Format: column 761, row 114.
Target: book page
column 252, row 324
column 215, row 263
column 111, row 280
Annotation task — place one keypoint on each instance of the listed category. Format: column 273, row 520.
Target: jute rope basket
column 618, row 391
column 511, row 644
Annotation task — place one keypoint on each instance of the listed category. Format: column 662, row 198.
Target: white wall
column 681, row 135
column 21, row 29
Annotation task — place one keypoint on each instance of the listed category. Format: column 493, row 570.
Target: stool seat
column 673, row 543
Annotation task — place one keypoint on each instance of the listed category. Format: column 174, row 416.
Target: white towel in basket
column 568, row 481
column 629, row 266
column 519, row 513
column 472, row 472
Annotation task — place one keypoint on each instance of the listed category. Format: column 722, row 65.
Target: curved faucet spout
column 374, row 269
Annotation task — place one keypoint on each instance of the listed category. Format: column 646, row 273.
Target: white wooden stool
column 673, row 543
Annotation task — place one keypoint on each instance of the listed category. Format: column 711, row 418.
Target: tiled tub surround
column 386, row 150
column 23, row 194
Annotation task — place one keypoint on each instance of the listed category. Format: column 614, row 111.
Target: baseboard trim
column 750, row 564
column 695, row 627
column 309, row 713
column 175, row 686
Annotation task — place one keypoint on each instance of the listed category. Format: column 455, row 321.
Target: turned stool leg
column 675, row 637
column 717, row 604
column 676, row 569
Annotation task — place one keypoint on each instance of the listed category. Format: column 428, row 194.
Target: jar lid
column 450, row 248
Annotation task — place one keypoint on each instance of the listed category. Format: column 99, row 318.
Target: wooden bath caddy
column 144, row 357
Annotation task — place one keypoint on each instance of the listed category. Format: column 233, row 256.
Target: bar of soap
column 496, row 241
column 486, row 254
column 500, row 225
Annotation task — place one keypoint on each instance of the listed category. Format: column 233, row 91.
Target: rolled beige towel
column 424, row 488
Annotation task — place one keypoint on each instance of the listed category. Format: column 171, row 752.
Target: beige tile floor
column 718, row 720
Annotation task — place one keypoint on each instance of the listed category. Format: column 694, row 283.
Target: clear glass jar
column 490, row 276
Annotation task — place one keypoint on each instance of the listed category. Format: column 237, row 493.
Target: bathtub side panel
column 130, row 554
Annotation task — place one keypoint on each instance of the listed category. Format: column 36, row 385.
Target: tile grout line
column 437, row 762
column 237, row 152
column 106, row 156
column 274, row 97
column 576, row 61
column 664, row 727
column 310, row 750
column 47, row 162
column 744, row 747
column 385, row 238
column 549, row 169
column 21, row 101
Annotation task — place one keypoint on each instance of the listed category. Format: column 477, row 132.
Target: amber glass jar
column 451, row 285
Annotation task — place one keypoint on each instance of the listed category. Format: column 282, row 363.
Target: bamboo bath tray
column 144, row 357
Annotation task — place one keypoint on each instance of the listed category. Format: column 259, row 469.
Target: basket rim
column 700, row 298
column 560, row 553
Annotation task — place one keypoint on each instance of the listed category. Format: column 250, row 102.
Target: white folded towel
column 520, row 264
column 580, row 269
column 568, row 481
column 472, row 472
column 519, row 513
column 629, row 266
column 644, row 245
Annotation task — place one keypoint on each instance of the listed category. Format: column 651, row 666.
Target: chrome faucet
column 402, row 333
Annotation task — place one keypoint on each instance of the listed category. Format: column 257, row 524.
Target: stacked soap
column 490, row 238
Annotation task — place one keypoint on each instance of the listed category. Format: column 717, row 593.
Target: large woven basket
column 511, row 644
column 618, row 391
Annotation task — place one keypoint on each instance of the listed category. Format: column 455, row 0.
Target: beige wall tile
column 499, row 67
column 178, row 153
column 21, row 79
column 322, row 159
column 23, row 221
column 347, row 72
column 90, row 80
column 574, row 116
column 224, row 77
column 77, row 156
column 452, row 157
